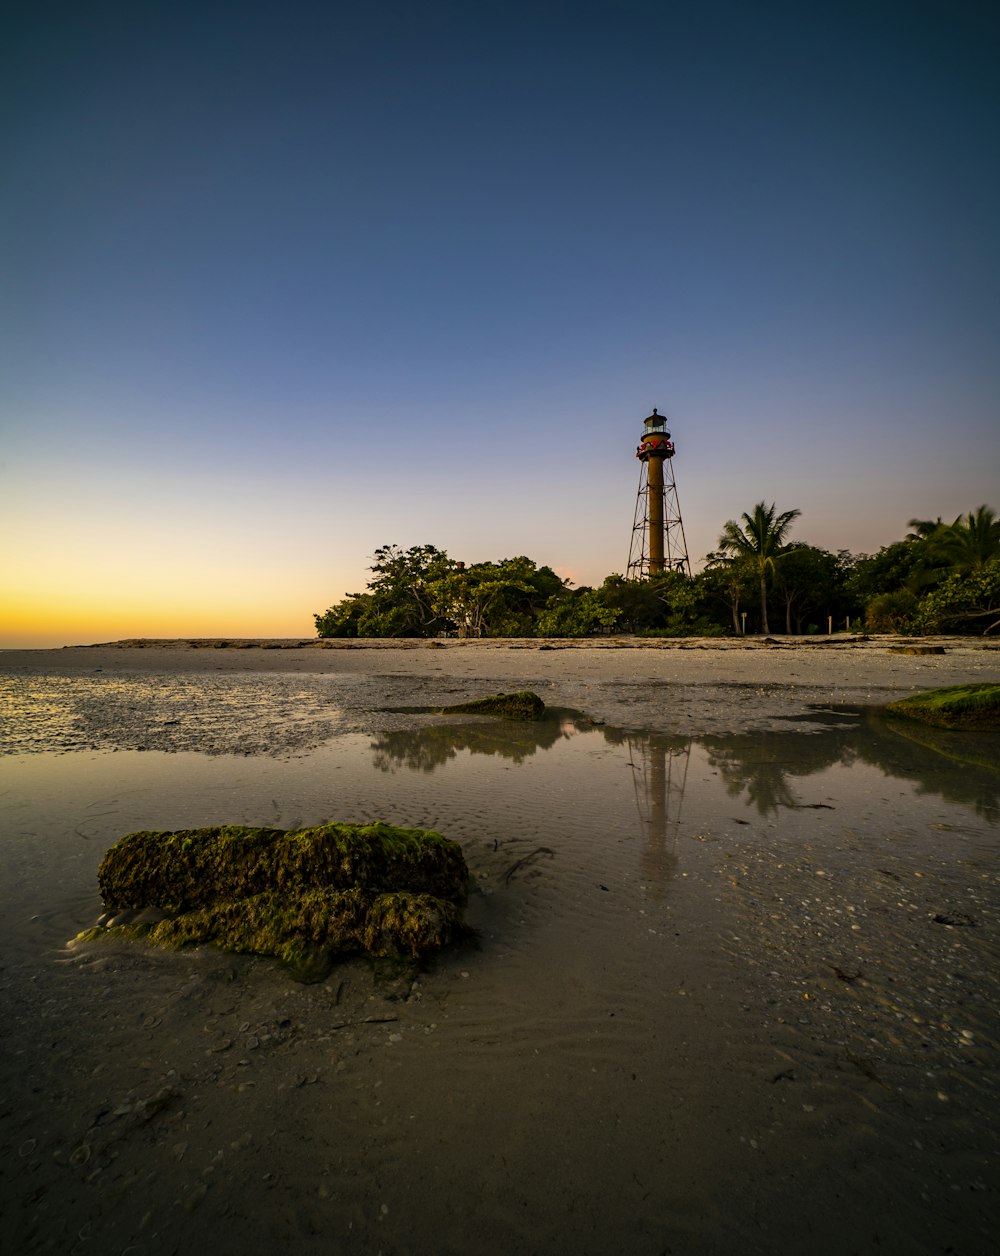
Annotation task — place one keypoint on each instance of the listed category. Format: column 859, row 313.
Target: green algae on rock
column 961, row 706
column 303, row 895
column 523, row 705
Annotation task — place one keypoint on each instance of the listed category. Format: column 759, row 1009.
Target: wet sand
column 707, row 1014
column 696, row 685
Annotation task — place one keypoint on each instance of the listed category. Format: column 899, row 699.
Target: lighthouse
column 658, row 541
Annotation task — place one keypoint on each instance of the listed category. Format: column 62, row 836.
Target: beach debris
column 526, row 859
column 955, row 919
column 523, row 705
column 974, row 706
column 303, row 895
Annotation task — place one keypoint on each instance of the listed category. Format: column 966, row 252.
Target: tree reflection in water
column 426, row 749
column 760, row 764
column 959, row 767
column 759, row 767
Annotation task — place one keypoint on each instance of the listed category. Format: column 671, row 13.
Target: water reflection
column 959, row 767
column 659, row 771
column 763, row 769
column 428, row 748
column 761, row 766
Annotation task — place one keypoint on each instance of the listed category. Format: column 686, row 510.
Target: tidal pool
column 730, row 994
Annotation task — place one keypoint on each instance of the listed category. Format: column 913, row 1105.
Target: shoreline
column 620, row 641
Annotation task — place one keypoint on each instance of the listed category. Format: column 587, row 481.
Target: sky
column 285, row 282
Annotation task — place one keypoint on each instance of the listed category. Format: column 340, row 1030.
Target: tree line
column 940, row 578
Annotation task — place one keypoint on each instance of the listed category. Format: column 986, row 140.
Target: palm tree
column 760, row 538
column 925, row 529
column 972, row 540
column 966, row 545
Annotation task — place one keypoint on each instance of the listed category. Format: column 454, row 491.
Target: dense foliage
column 421, row 592
column 943, row 577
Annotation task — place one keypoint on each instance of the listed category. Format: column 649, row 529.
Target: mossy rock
column 961, row 706
column 304, row 895
column 523, row 705
column 188, row 868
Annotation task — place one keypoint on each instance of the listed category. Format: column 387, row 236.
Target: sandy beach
column 734, row 988
column 680, row 685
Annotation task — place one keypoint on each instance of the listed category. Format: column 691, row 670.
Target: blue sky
column 283, row 283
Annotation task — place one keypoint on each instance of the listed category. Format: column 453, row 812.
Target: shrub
column 892, row 612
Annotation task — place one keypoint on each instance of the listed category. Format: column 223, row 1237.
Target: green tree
column 493, row 599
column 892, row 612
column 727, row 581
column 344, row 617
column 532, row 588
column 761, row 539
column 810, row 583
column 401, row 602
column 680, row 606
column 633, row 605
column 964, row 602
column 579, row 613
column 967, row 544
column 925, row 529
column 896, row 566
column 971, row 542
column 421, row 592
column 930, row 539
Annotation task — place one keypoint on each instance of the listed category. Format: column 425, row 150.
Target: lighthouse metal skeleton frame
column 658, row 540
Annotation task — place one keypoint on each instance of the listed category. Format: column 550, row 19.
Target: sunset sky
column 285, row 282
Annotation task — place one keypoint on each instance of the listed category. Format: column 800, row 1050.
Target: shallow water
column 731, row 993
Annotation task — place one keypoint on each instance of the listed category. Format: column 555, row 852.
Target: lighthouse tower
column 658, row 541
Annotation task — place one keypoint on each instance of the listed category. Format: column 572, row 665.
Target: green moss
column 326, row 921
column 523, row 705
column 191, row 868
column 92, row 934
column 303, row 895
column 961, row 706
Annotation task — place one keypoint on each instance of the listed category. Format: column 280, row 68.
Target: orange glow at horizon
column 46, row 621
